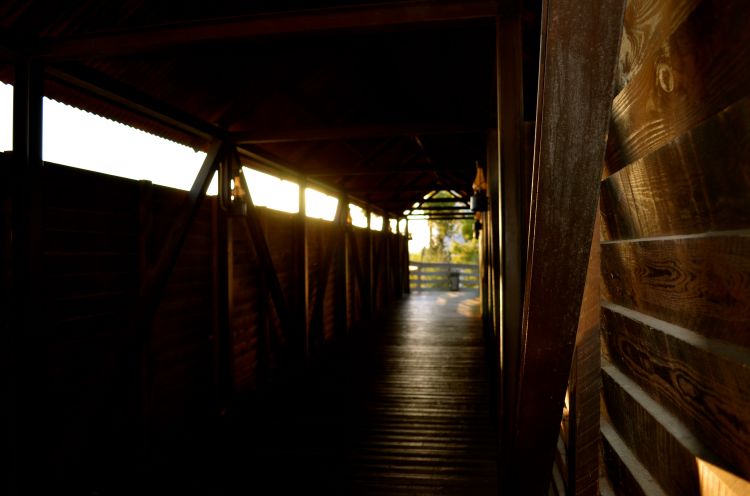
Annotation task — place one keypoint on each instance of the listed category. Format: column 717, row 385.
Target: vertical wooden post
column 585, row 386
column 369, row 307
column 483, row 274
column 27, row 409
column 304, row 260
column 406, row 280
column 513, row 225
column 342, row 267
column 576, row 79
column 387, row 259
column 6, row 341
column 399, row 268
column 346, row 227
column 493, row 232
column 223, row 279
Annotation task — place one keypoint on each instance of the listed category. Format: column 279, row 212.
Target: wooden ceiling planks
column 151, row 38
column 343, row 76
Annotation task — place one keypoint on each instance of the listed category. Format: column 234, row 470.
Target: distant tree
column 451, row 241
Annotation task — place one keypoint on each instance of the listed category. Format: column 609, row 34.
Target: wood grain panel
column 718, row 482
column 706, row 384
column 627, row 475
column 664, row 446
column 178, row 357
column 696, row 183
column 245, row 309
column 702, row 283
column 700, row 69
column 585, row 383
column 647, row 24
column 573, row 112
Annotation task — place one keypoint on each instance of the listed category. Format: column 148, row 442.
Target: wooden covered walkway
column 407, row 411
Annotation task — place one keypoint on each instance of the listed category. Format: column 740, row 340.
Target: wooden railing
column 424, row 276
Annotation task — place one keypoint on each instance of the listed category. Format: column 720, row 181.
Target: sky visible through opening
column 81, row 139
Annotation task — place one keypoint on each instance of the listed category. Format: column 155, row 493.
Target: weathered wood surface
column 585, row 384
column 697, row 183
column 408, row 412
column 626, row 476
column 647, row 24
column 705, row 383
column 662, row 443
column 576, row 89
column 699, row 70
column 186, row 35
column 701, row 283
column 511, row 175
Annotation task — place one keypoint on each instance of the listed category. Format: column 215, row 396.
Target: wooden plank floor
column 427, row 425
column 405, row 411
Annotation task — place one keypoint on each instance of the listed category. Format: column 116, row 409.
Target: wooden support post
column 345, row 228
column 369, row 305
column 378, row 248
column 512, row 221
column 342, row 269
column 27, row 410
column 573, row 115
column 387, row 239
column 358, row 270
column 406, row 280
column 484, row 274
column 585, row 385
column 493, row 232
column 223, row 281
column 304, row 267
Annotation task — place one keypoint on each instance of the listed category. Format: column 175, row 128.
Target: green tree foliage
column 451, row 241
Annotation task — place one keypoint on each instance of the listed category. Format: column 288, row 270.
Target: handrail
column 428, row 276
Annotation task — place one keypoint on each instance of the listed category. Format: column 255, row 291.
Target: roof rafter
column 351, row 132
column 155, row 38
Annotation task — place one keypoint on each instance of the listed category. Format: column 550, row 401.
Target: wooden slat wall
column 179, row 349
column 675, row 253
column 107, row 386
column 89, row 282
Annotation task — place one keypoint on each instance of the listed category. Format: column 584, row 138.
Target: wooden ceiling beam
column 261, row 136
column 170, row 36
column 437, row 209
column 390, row 170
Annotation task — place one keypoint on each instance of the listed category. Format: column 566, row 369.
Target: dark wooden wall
column 675, row 261
column 116, row 397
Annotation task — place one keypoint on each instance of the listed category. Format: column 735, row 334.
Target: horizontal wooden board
column 696, row 183
column 647, row 24
column 55, row 264
column 69, row 187
column 706, row 384
column 664, row 446
column 627, row 475
column 699, row 70
column 89, row 218
column 700, row 283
